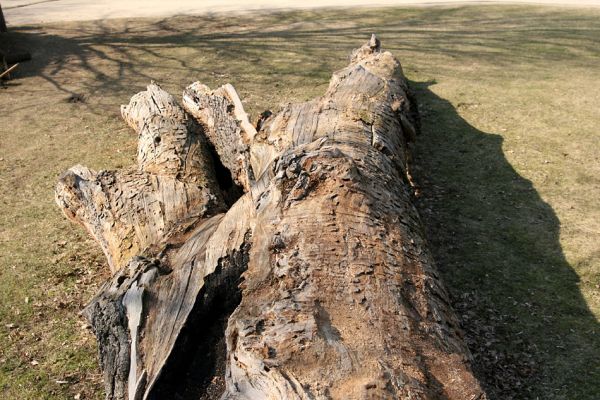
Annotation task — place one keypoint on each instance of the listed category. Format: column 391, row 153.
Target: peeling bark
column 306, row 276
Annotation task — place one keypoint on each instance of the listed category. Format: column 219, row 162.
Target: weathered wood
column 172, row 186
column 226, row 127
column 319, row 270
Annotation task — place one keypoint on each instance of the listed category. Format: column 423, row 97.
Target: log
column 277, row 261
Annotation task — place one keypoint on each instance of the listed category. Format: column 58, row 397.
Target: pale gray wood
column 226, row 127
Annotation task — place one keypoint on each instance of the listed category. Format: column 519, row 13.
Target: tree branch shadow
column 99, row 57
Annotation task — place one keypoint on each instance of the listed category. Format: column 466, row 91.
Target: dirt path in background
column 20, row 12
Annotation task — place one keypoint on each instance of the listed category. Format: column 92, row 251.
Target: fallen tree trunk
column 278, row 261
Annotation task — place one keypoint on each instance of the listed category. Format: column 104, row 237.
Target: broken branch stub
column 315, row 283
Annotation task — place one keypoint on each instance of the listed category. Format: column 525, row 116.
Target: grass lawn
column 508, row 169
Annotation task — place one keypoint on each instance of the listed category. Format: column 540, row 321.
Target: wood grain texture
column 130, row 210
column 319, row 271
column 226, row 127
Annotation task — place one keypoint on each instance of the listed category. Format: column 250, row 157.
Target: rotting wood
column 317, row 266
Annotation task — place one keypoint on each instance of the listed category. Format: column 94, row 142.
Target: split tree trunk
column 288, row 254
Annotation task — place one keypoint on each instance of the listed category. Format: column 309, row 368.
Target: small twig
column 8, row 70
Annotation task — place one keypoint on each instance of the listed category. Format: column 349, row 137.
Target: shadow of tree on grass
column 100, row 57
column 497, row 246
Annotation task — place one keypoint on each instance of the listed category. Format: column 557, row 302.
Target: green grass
column 507, row 166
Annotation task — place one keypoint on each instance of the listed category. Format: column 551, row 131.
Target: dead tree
column 282, row 260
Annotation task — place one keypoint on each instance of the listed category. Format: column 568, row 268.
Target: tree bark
column 2, row 21
column 277, row 261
